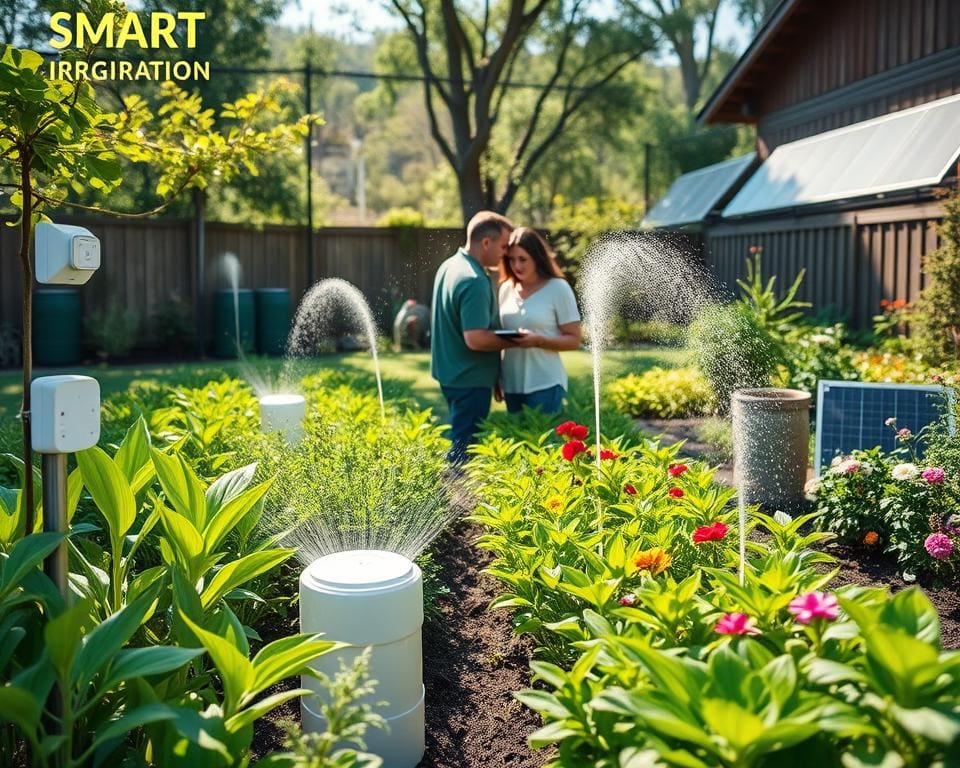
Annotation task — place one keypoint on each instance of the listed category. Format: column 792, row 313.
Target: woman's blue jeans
column 549, row 400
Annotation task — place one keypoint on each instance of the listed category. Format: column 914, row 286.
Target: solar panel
column 903, row 150
column 851, row 415
column 693, row 195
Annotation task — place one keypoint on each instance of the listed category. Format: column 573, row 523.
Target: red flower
column 676, row 493
column 605, row 454
column 629, row 490
column 579, row 432
column 675, row 470
column 563, row 429
column 572, row 448
column 714, row 532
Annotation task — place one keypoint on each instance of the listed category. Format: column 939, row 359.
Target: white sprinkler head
column 284, row 414
column 371, row 598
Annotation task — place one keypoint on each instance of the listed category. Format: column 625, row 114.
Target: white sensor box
column 65, row 413
column 66, row 255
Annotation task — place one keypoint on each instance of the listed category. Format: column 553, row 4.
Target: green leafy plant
column 937, row 312
column 113, row 330
column 662, row 393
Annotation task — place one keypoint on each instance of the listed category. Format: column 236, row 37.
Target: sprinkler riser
column 370, row 599
column 284, row 414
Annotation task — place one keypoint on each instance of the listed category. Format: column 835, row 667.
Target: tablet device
column 508, row 334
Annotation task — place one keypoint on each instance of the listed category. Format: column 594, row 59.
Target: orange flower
column 554, row 503
column 655, row 560
column 871, row 538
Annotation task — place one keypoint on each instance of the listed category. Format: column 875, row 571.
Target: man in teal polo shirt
column 465, row 352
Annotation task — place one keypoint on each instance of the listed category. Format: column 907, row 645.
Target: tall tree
column 755, row 12
column 687, row 28
column 469, row 59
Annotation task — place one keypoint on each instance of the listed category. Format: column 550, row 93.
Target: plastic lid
column 360, row 571
column 281, row 400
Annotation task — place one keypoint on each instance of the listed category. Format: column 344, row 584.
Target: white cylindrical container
column 370, row 598
column 284, row 414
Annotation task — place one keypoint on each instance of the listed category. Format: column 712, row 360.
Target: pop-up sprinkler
column 284, row 414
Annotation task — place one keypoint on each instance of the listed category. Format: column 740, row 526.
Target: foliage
column 113, row 330
column 173, row 319
column 662, row 393
column 402, row 217
column 897, row 368
column 816, row 352
column 896, row 502
column 627, row 331
column 732, row 350
column 578, row 223
column 656, row 656
column 937, row 314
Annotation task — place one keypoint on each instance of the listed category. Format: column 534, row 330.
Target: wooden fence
column 852, row 259
column 148, row 263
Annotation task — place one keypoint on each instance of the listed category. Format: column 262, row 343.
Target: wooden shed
column 857, row 108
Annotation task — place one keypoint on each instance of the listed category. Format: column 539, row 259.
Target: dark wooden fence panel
column 147, row 263
column 852, row 260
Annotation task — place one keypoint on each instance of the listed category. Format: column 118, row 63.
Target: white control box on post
column 65, row 418
column 66, row 254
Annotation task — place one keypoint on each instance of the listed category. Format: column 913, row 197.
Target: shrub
column 402, row 217
column 578, row 223
column 733, row 350
column 626, row 331
column 662, row 393
column 936, row 318
column 174, row 322
column 816, row 352
column 113, row 330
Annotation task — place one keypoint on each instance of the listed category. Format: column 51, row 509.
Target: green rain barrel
column 225, row 322
column 57, row 327
column 273, row 320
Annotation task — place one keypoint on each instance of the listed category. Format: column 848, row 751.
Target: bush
column 816, row 352
column 113, row 330
column 733, row 350
column 174, row 322
column 936, row 317
column 626, row 331
column 402, row 217
column 662, row 393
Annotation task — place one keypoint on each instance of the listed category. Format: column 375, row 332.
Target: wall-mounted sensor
column 66, row 255
column 66, row 413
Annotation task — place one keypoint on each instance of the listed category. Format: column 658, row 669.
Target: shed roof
column 905, row 150
column 693, row 195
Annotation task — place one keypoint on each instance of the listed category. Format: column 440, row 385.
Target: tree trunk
column 690, row 73
column 473, row 197
column 26, row 269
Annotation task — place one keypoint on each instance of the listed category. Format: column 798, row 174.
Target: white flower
column 866, row 468
column 848, row 467
column 810, row 490
column 837, row 460
column 906, row 471
column 782, row 517
column 821, row 338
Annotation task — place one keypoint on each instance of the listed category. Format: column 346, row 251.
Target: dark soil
column 472, row 664
column 472, row 661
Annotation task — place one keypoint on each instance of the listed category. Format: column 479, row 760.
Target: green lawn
column 410, row 368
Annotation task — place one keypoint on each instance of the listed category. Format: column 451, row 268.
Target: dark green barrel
column 57, row 327
column 273, row 320
column 225, row 323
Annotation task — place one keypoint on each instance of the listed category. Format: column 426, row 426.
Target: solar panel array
column 852, row 414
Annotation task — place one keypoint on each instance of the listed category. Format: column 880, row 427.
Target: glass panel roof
column 693, row 195
column 912, row 148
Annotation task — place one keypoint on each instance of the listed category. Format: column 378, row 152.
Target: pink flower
column 891, row 422
column 904, row 434
column 628, row 600
column 572, row 448
column 676, row 493
column 605, row 454
column 938, row 546
column 848, row 467
column 933, row 475
column 937, row 378
column 736, row 624
column 675, row 470
column 814, row 605
column 629, row 490
column 714, row 532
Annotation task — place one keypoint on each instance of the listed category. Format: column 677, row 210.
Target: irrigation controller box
column 66, row 413
column 66, row 254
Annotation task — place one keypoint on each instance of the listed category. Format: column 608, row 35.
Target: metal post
column 308, row 99
column 53, row 468
column 199, row 209
column 647, row 154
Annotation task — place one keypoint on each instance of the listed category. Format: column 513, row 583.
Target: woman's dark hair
column 531, row 241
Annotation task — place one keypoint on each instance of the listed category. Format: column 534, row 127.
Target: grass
column 412, row 369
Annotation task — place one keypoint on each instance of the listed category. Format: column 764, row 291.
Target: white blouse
column 543, row 312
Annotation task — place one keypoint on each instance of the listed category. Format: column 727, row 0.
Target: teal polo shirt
column 463, row 300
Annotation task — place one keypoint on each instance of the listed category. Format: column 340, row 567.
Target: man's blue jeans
column 549, row 400
column 468, row 407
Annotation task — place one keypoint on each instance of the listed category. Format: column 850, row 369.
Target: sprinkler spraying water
column 325, row 302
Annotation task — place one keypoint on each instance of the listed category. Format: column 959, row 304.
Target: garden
column 593, row 593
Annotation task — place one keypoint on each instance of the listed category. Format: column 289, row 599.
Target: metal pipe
column 53, row 468
column 308, row 98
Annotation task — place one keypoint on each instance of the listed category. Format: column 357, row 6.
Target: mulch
column 472, row 661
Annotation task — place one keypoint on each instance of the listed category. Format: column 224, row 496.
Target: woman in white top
column 536, row 299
